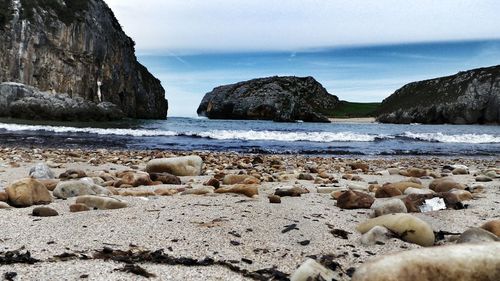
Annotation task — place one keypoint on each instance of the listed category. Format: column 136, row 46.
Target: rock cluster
column 283, row 99
column 469, row 97
column 377, row 198
column 21, row 101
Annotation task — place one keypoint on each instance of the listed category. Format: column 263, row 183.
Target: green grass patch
column 347, row 109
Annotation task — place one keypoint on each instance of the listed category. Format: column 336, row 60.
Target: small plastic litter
column 434, row 204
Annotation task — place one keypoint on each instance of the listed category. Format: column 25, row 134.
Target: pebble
column 179, row 166
column 357, row 186
column 44, row 212
column 483, row 179
column 355, row 200
column 50, row 184
column 460, row 171
column 410, row 228
column 250, row 190
column 28, row 192
column 41, row 171
column 403, row 185
column 359, row 165
column 414, row 172
column 78, row 207
column 412, row 190
column 387, row 191
column 198, row 191
column 136, row 193
column 384, row 207
column 312, row 270
column 477, row 235
column 4, row 205
column 4, row 197
column 325, row 189
column 445, row 185
column 73, row 174
column 493, row 227
column 74, row 188
column 274, row 199
column 305, row 176
column 462, row 262
column 166, row 191
column 376, row 234
column 290, row 192
column 102, row 203
column 165, row 178
column 240, row 179
column 133, row 179
column 212, row 182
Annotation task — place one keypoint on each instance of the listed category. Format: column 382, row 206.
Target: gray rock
column 44, row 212
column 312, row 270
column 477, row 235
column 41, row 171
column 178, row 166
column 483, row 179
column 21, row 101
column 468, row 97
column 67, row 189
column 391, row 206
column 73, row 47
column 376, row 234
column 283, row 99
column 102, row 203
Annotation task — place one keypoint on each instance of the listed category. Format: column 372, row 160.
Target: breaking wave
column 264, row 135
column 444, row 138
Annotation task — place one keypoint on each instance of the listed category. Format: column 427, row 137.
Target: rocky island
column 469, row 97
column 76, row 49
column 282, row 99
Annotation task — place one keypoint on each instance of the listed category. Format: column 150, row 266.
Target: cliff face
column 470, row 97
column 76, row 47
column 283, row 99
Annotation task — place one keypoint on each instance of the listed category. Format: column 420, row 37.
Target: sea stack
column 469, row 97
column 282, row 99
column 76, row 48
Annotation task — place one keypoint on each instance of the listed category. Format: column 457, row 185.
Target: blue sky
column 359, row 50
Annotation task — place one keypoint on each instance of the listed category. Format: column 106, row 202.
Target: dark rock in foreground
column 78, row 48
column 470, row 97
column 20, row 101
column 283, row 99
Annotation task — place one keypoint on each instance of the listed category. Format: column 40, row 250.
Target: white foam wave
column 99, row 131
column 463, row 138
column 287, row 136
column 213, row 134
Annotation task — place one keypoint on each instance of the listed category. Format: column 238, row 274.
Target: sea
column 263, row 137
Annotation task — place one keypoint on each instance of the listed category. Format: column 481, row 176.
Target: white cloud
column 264, row 25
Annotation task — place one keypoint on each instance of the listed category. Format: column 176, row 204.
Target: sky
column 359, row 50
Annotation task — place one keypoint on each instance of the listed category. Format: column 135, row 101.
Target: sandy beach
column 243, row 238
column 353, row 120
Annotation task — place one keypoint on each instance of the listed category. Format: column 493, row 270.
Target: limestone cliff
column 469, row 97
column 76, row 47
column 283, row 99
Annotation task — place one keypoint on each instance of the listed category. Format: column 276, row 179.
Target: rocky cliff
column 282, row 99
column 76, row 47
column 469, row 97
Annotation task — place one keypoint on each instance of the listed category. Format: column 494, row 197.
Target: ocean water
column 187, row 134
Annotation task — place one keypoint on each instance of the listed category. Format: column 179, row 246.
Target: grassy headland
column 347, row 109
